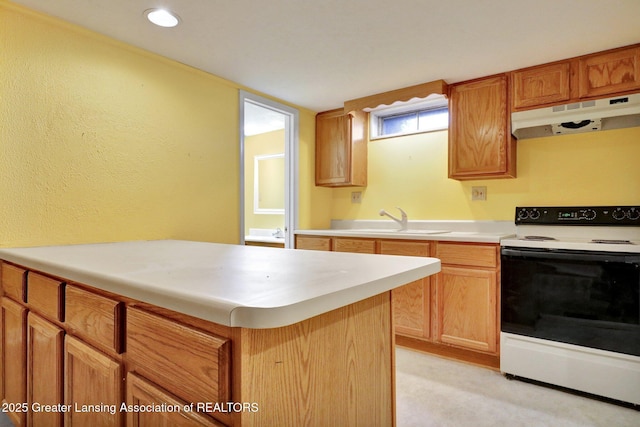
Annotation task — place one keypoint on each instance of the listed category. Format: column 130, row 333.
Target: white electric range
column 570, row 299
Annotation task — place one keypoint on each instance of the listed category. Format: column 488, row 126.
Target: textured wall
column 582, row 169
column 103, row 142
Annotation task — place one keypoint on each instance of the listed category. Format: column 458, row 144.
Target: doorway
column 268, row 170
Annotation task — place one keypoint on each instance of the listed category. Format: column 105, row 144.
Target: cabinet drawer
column 404, row 248
column 46, row 296
column 94, row 318
column 141, row 392
column 13, row 281
column 189, row 363
column 362, row 246
column 471, row 255
column 313, row 243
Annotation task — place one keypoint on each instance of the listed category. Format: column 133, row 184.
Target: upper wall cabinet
column 587, row 77
column 341, row 148
column 541, row 85
column 609, row 73
column 480, row 143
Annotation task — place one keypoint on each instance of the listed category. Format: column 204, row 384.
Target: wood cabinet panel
column 541, row 85
column 467, row 308
column 45, row 376
column 45, row 295
column 191, row 364
column 609, row 72
column 411, row 302
column 141, row 392
column 13, row 281
column 363, row 246
column 468, row 255
column 316, row 243
column 341, row 148
column 94, row 318
column 93, row 381
column 13, row 352
column 324, row 366
column 480, row 140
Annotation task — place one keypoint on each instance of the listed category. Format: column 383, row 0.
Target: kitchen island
column 220, row 334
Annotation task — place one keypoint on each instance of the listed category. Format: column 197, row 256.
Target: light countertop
column 233, row 285
column 453, row 231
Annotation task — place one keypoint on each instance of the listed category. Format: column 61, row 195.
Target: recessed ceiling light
column 162, row 17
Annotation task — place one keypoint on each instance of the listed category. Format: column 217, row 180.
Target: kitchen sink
column 391, row 231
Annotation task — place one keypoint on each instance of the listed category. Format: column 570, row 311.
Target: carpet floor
column 436, row 392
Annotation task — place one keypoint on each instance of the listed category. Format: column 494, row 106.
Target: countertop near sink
column 457, row 231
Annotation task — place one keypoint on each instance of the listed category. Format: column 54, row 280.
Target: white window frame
column 376, row 115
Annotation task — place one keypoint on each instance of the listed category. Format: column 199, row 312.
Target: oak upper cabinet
column 609, row 72
column 411, row 302
column 341, row 148
column 466, row 294
column 480, row 142
column 537, row 86
column 597, row 75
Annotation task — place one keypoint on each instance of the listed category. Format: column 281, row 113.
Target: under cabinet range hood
column 586, row 116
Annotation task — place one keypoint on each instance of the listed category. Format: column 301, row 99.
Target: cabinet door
column 44, row 370
column 14, row 349
column 141, row 393
column 467, row 308
column 93, row 386
column 541, row 85
column 411, row 302
column 610, row 73
column 480, row 142
column 341, row 150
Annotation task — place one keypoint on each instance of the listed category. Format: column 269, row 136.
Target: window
column 425, row 116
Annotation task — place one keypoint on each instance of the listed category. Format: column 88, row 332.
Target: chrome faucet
column 404, row 222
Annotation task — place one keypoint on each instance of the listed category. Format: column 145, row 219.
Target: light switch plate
column 356, row 197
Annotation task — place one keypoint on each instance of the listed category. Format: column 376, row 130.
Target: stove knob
column 589, row 214
column 618, row 214
column 633, row 214
column 534, row 214
column 523, row 214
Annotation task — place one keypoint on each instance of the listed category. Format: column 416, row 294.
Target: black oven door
column 585, row 298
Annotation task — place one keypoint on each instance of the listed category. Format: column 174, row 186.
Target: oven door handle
column 572, row 255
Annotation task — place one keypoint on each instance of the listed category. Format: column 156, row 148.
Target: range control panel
column 579, row 215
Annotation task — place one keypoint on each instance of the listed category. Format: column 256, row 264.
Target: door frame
column 292, row 126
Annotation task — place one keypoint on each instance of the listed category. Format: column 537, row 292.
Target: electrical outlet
column 356, row 197
column 478, row 193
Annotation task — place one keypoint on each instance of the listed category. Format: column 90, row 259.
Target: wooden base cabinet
column 45, row 379
column 454, row 313
column 411, row 302
column 93, row 386
column 467, row 315
column 142, row 393
column 14, row 372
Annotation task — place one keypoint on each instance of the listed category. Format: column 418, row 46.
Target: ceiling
column 319, row 53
